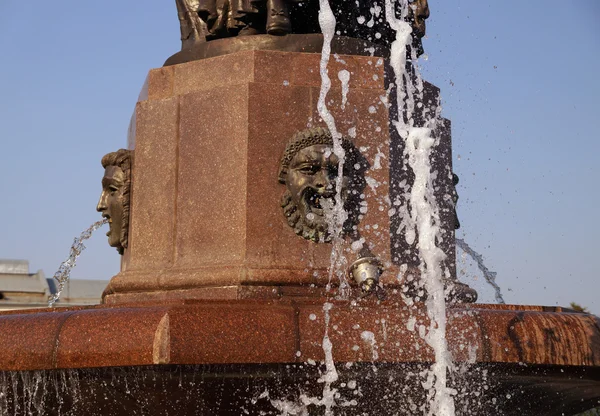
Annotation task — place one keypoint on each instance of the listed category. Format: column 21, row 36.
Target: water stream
column 489, row 275
column 330, row 375
column 422, row 219
column 336, row 215
column 64, row 271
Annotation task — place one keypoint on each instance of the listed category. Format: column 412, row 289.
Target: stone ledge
column 307, row 43
column 241, row 67
column 285, row 331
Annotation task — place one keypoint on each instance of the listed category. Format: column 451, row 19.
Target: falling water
column 425, row 214
column 64, row 271
column 489, row 275
column 423, row 217
column 330, row 376
column 336, row 215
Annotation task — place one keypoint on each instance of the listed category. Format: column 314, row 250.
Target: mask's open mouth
column 315, row 200
column 109, row 219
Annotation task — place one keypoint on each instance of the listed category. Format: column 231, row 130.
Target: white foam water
column 344, row 77
column 335, row 214
column 330, row 375
column 422, row 219
column 425, row 214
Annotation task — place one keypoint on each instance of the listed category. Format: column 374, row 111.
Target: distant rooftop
column 14, row 266
column 21, row 289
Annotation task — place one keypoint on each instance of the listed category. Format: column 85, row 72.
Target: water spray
column 63, row 273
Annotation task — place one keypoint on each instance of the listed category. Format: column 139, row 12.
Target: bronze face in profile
column 115, row 197
column 310, row 169
column 418, row 13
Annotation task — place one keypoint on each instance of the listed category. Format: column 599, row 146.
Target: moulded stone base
column 192, row 331
column 224, row 354
column 307, row 43
column 234, row 283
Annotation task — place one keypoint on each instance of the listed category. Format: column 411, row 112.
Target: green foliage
column 577, row 307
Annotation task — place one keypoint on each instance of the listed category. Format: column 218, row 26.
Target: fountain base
column 262, row 389
column 227, row 356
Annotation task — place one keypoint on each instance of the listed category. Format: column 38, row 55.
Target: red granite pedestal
column 209, row 137
column 219, row 306
column 219, row 357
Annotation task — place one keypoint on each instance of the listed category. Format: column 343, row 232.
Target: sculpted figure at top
column 115, row 197
column 204, row 20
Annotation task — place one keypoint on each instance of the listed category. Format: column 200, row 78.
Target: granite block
column 365, row 72
column 538, row 338
column 243, row 332
column 154, row 185
column 226, row 71
column 108, row 337
column 272, row 67
column 160, row 83
column 364, row 119
column 267, row 330
column 28, row 341
column 211, row 198
column 276, row 112
column 361, row 334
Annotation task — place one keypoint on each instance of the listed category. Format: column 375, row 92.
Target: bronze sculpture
column 366, row 271
column 419, row 12
column 205, row 20
column 115, row 198
column 309, row 169
column 455, row 200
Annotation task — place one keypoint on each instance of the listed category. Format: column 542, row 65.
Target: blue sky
column 518, row 79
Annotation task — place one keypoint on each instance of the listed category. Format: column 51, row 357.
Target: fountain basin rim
column 258, row 331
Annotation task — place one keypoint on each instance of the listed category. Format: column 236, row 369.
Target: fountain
column 245, row 288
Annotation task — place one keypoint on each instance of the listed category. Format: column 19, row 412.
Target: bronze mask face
column 311, row 181
column 114, row 200
column 309, row 170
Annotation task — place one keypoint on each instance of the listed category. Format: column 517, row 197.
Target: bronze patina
column 309, row 169
column 366, row 272
column 205, row 20
column 419, row 12
column 455, row 200
column 115, row 198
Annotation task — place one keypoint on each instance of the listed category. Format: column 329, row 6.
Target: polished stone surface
column 209, row 137
column 276, row 328
column 220, row 356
